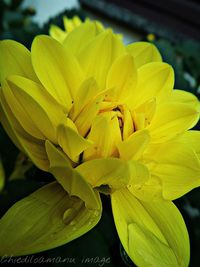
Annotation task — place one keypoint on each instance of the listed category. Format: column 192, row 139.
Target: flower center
column 123, row 114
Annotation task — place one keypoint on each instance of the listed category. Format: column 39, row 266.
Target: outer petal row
column 152, row 233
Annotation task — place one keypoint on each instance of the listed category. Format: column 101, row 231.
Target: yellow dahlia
column 101, row 117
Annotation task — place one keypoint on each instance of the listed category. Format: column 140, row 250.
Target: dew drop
column 73, row 222
column 68, row 215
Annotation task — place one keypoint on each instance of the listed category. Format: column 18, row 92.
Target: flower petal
column 19, row 118
column 57, row 69
column 177, row 165
column 86, row 117
column 4, row 118
column 192, row 139
column 42, row 111
column 79, row 38
column 31, row 146
column 85, row 94
column 155, row 80
column 45, row 219
column 57, row 33
column 186, row 98
column 15, row 59
column 2, row 176
column 171, row 119
column 97, row 66
column 143, row 53
column 113, row 172
column 122, row 76
column 134, row 146
column 71, row 141
column 152, row 233
column 104, row 145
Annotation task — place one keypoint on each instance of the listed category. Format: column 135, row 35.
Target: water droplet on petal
column 73, row 222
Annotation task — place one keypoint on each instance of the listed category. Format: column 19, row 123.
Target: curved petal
column 152, row 233
column 171, row 119
column 20, row 118
column 85, row 94
column 15, row 59
column 31, row 146
column 177, row 165
column 110, row 47
column 155, row 80
column 104, row 145
column 7, row 125
column 42, row 111
column 122, row 76
column 192, row 139
column 113, row 172
column 72, row 23
column 86, row 117
column 57, row 33
column 57, row 69
column 56, row 156
column 2, row 176
column 47, row 218
column 72, row 143
column 77, row 39
column 143, row 53
column 134, row 146
column 186, row 98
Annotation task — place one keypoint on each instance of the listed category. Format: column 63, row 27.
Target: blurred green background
column 101, row 245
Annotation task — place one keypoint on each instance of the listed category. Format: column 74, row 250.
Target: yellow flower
column 70, row 25
column 101, row 117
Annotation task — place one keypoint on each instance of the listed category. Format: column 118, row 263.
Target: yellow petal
column 31, row 146
column 104, row 145
column 171, row 119
column 2, row 176
column 57, row 69
column 15, row 59
column 143, row 115
column 46, row 219
column 56, row 156
column 177, row 165
column 57, row 33
column 149, row 189
column 85, row 118
column 42, row 110
column 171, row 223
column 72, row 143
column 110, row 171
column 113, row 172
column 122, row 76
column 155, row 80
column 152, row 233
column 79, row 38
column 7, row 125
column 148, row 250
column 35, row 149
column 20, row 118
column 128, row 125
column 110, row 47
column 72, row 23
column 143, row 53
column 192, row 139
column 85, row 94
column 134, row 146
column 186, row 98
